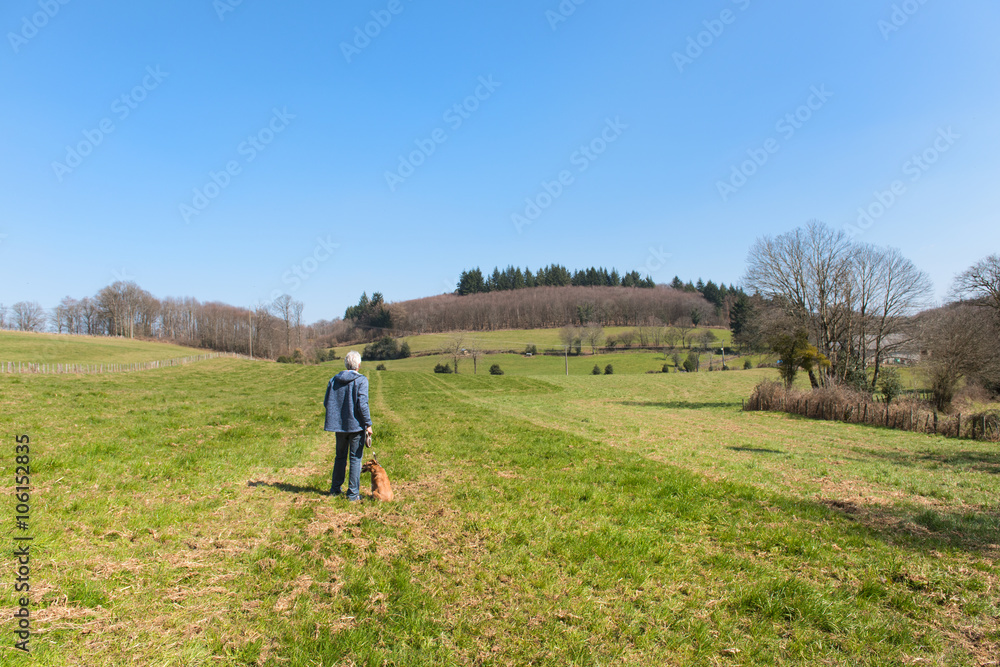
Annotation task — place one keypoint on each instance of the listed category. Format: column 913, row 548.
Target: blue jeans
column 353, row 444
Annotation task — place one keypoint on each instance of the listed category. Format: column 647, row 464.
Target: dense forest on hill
column 533, row 308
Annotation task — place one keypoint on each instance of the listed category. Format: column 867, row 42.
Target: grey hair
column 352, row 360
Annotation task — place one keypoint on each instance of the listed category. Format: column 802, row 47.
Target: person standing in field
column 347, row 415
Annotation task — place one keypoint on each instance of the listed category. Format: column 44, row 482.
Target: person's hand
column 368, row 430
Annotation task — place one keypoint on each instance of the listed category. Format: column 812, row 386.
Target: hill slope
column 45, row 348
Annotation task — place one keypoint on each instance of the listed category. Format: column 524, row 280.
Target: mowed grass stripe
column 569, row 544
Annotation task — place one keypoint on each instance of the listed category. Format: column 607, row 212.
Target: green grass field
column 46, row 348
column 179, row 517
column 514, row 339
column 544, row 365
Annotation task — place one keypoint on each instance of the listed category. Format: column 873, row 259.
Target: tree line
column 714, row 294
column 555, row 275
column 124, row 309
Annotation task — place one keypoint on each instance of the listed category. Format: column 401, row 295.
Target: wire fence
column 21, row 367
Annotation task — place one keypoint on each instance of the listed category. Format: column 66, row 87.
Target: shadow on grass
column 988, row 462
column 925, row 528
column 290, row 488
column 680, row 405
column 756, row 450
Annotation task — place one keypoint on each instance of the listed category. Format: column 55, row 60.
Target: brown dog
column 381, row 488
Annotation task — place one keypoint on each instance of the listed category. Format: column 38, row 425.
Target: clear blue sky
column 187, row 88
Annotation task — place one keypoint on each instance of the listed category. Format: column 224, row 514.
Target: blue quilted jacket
column 346, row 403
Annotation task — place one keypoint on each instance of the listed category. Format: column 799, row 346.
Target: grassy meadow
column 47, row 348
column 180, row 517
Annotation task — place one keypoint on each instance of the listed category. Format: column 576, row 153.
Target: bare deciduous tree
column 594, row 335
column 567, row 335
column 671, row 335
column 456, row 347
column 297, row 307
column 980, row 282
column 89, row 316
column 120, row 304
column 961, row 343
column 852, row 299
column 626, row 338
column 807, row 271
column 888, row 289
column 284, row 308
column 28, row 316
column 706, row 338
column 685, row 328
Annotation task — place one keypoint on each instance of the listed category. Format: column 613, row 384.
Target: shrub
column 283, row 359
column 443, row 369
column 747, row 365
column 890, row 384
column 609, row 369
column 380, row 367
column 693, row 362
column 496, row 370
column 666, row 368
column 384, row 348
column 796, row 352
column 767, row 395
column 856, row 377
column 596, row 371
column 404, row 350
column 531, row 349
column 676, row 357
